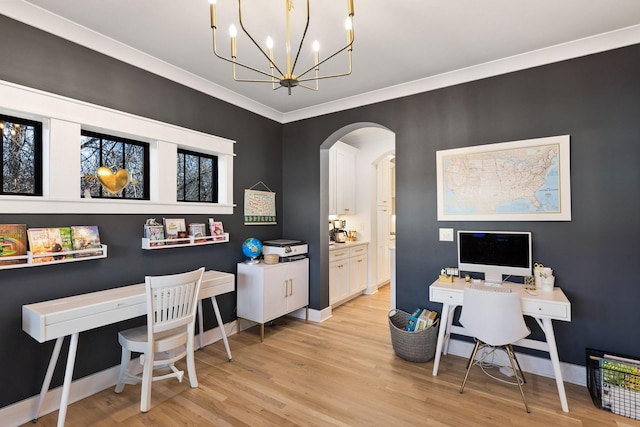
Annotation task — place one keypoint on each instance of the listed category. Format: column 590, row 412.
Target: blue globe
column 252, row 248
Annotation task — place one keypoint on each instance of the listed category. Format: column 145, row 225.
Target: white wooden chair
column 168, row 335
column 495, row 319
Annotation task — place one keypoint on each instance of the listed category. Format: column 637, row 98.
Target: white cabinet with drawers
column 348, row 272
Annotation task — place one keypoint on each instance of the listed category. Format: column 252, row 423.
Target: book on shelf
column 50, row 241
column 197, row 230
column 13, row 242
column 86, row 237
column 155, row 234
column 174, row 228
column 216, row 229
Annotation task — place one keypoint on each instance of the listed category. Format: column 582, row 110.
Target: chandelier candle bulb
column 212, row 12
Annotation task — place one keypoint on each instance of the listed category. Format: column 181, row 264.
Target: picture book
column 155, row 234
column 197, row 230
column 174, row 227
column 216, row 229
column 49, row 241
column 426, row 319
column 86, row 237
column 412, row 323
column 13, row 242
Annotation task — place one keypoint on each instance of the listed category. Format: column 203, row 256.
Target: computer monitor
column 495, row 253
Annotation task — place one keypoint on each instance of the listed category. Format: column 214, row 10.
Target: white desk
column 56, row 319
column 543, row 307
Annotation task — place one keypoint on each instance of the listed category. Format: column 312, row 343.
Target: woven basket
column 412, row 346
column 271, row 258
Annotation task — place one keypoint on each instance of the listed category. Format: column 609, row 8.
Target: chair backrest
column 494, row 318
column 172, row 300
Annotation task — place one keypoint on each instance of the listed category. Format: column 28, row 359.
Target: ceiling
column 400, row 46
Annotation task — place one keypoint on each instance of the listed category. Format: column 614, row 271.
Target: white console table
column 56, row 319
column 543, row 307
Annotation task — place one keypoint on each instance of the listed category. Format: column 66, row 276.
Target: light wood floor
column 342, row 372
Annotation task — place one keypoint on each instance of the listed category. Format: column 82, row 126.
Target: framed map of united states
column 526, row 180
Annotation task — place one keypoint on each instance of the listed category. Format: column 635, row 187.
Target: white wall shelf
column 183, row 242
column 32, row 258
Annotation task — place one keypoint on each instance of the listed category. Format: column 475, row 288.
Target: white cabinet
column 342, row 179
column 266, row 292
column 348, row 273
column 383, row 183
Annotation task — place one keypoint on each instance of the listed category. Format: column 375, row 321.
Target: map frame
column 564, row 180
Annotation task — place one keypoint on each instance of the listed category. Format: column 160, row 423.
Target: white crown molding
column 574, row 49
column 54, row 24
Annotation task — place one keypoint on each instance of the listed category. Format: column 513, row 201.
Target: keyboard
column 483, row 287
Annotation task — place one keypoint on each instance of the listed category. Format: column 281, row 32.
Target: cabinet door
column 275, row 291
column 298, row 276
column 333, row 209
column 383, row 183
column 358, row 274
column 338, row 280
column 345, row 182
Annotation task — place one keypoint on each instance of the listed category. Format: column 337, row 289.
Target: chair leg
column 124, row 365
column 470, row 364
column 147, row 379
column 191, row 364
column 513, row 366
column 524, row 381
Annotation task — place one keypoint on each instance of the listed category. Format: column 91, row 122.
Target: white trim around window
column 64, row 118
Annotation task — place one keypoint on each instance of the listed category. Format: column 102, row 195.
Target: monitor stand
column 493, row 278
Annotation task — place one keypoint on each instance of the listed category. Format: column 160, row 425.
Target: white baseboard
column 22, row 412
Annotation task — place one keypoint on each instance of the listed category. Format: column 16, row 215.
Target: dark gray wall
column 595, row 99
column 44, row 62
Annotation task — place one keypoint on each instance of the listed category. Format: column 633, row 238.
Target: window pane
column 21, row 145
column 197, row 177
column 101, row 150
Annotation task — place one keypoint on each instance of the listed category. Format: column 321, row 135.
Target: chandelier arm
column 328, row 58
column 304, row 35
column 256, row 44
column 232, row 61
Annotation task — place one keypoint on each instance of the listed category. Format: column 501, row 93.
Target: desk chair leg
column 513, row 366
column 470, row 364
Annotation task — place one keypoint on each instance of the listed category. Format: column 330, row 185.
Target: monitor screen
column 495, row 253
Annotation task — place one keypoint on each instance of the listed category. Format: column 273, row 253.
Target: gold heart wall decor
column 113, row 182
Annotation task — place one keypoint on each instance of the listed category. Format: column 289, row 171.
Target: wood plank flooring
column 342, row 372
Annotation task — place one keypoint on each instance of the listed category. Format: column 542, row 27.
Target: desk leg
column 200, row 325
column 47, row 378
column 447, row 336
column 223, row 332
column 555, row 361
column 444, row 322
column 68, row 374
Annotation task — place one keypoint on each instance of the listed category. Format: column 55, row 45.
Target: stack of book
column 421, row 319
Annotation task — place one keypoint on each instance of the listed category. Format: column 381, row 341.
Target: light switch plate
column 446, row 234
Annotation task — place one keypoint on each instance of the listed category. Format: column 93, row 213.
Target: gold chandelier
column 278, row 75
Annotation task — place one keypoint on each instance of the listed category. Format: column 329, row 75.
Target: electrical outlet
column 446, row 234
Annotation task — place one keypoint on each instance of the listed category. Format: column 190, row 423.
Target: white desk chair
column 495, row 319
column 168, row 335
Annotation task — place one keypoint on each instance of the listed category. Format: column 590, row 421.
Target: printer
column 287, row 250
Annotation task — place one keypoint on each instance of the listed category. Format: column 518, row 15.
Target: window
column 116, row 153
column 197, row 177
column 21, row 153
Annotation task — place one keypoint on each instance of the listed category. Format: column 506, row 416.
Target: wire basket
column 412, row 346
column 613, row 381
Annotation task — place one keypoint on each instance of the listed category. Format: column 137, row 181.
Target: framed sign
column 259, row 207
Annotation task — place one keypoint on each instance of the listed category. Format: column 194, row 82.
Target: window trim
column 63, row 119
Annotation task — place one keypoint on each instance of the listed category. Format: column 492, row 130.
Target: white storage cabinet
column 266, row 292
